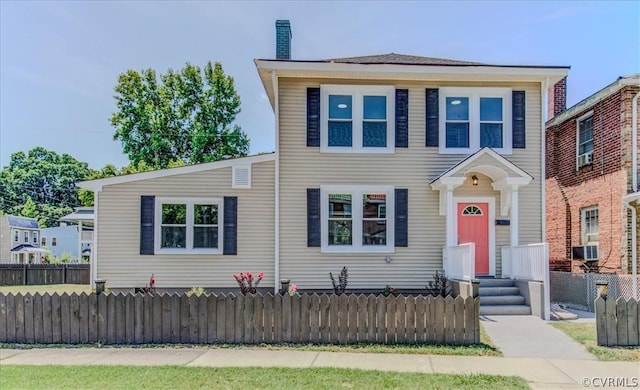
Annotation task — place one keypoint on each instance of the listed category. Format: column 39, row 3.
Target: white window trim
column 234, row 176
column 54, row 241
column 34, row 238
column 356, row 192
column 26, row 237
column 159, row 201
column 16, row 235
column 357, row 91
column 474, row 95
column 578, row 155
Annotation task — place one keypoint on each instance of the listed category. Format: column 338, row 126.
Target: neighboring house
column 380, row 163
column 20, row 240
column 64, row 239
column 592, row 180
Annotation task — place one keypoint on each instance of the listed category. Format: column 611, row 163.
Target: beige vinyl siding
column 120, row 263
column 6, row 240
column 413, row 168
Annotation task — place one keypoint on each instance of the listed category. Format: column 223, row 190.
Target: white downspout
column 634, row 185
column 546, row 283
column 93, row 259
column 276, row 104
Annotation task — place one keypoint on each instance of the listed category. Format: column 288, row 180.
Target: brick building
column 592, row 197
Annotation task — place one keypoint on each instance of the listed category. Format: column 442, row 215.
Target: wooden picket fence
column 39, row 274
column 229, row 319
column 617, row 322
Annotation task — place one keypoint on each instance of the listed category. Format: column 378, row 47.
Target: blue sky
column 59, row 61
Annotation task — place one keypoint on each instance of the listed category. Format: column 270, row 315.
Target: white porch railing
column 528, row 262
column 459, row 261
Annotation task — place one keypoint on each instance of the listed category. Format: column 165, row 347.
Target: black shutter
column 401, row 218
column 230, row 229
column 313, row 217
column 518, row 124
column 432, row 110
column 313, row 116
column 147, row 217
column 402, row 118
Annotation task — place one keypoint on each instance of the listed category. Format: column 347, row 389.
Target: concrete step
column 484, row 291
column 504, row 310
column 490, row 282
column 490, row 300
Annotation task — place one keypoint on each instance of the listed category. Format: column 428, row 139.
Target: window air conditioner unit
column 585, row 159
column 585, row 252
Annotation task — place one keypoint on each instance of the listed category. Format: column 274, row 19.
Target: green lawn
column 174, row 377
column 585, row 334
column 47, row 288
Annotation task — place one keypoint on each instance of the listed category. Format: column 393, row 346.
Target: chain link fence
column 579, row 290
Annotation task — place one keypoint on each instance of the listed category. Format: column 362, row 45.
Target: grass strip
column 585, row 334
column 179, row 377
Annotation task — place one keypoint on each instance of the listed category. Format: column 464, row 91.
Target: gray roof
column 402, row 59
column 80, row 214
column 22, row 222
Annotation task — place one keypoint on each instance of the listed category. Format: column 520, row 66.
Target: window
column 357, row 119
column 54, row 241
column 188, row 225
column 26, row 237
column 585, row 140
column 590, row 226
column 16, row 236
column 43, row 241
column 357, row 219
column 474, row 118
column 35, row 238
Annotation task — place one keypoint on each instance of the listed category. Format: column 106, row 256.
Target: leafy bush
column 197, row 291
column 247, row 283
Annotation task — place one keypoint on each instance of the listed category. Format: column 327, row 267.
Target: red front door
column 473, row 226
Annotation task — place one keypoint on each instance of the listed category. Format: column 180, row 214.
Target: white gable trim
column 97, row 185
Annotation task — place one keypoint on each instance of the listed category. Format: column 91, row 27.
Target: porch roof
column 506, row 176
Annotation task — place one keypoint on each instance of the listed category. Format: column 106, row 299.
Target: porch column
column 515, row 217
column 79, row 242
column 452, row 236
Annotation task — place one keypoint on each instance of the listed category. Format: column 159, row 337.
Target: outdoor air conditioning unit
column 585, row 159
column 585, row 252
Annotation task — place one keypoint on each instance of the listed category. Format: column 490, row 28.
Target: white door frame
column 491, row 221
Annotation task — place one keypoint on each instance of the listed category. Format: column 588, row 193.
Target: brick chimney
column 283, row 40
column 557, row 98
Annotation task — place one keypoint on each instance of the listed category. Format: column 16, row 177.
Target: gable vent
column 241, row 177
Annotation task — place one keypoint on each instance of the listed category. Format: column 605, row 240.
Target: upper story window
column 188, row 225
column 26, row 237
column 585, row 140
column 357, row 218
column 16, row 235
column 474, row 118
column 357, row 119
column 35, row 238
column 54, row 241
column 43, row 241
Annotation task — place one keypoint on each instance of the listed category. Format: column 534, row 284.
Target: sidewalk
column 532, row 337
column 541, row 373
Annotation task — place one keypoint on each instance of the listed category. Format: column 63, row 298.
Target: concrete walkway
column 540, row 373
column 532, row 337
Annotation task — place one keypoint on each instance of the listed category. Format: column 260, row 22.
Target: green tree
column 44, row 178
column 185, row 116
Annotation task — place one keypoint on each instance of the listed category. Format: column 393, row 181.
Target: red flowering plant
column 247, row 283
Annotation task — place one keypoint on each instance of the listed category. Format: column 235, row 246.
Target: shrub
column 388, row 290
column 439, row 286
column 197, row 291
column 340, row 286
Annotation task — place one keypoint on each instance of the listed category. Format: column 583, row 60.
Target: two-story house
column 20, row 240
column 592, row 180
column 389, row 165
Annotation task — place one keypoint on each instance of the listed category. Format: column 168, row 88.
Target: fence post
column 475, row 288
column 601, row 312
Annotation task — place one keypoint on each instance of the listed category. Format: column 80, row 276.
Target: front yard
column 585, row 334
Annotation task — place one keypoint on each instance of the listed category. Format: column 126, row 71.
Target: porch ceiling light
column 474, row 180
